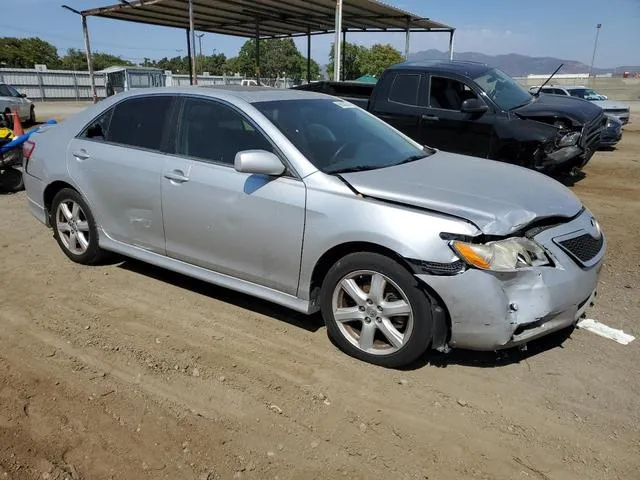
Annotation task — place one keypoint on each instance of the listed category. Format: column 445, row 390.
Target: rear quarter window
column 404, row 88
column 139, row 122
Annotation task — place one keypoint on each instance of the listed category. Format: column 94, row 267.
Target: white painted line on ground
column 603, row 330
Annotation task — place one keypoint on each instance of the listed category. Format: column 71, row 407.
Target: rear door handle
column 430, row 118
column 81, row 154
column 176, row 176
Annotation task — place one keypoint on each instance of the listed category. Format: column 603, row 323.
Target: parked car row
column 13, row 101
column 307, row 201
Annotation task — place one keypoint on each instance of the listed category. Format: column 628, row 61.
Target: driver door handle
column 81, row 154
column 430, row 118
column 176, row 176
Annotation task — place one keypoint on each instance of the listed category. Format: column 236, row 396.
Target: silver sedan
column 312, row 203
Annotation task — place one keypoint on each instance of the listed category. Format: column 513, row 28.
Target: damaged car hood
column 498, row 198
column 559, row 106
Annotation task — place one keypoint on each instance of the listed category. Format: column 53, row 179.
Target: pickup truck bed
column 355, row 92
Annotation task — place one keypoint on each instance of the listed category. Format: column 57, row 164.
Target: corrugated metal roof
column 277, row 18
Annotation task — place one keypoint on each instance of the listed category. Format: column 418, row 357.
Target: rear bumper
column 493, row 310
column 35, row 197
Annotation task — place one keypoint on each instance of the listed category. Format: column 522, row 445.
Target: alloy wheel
column 73, row 227
column 372, row 312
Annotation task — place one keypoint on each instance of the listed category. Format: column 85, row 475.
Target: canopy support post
column 258, row 52
column 308, row 54
column 452, row 34
column 192, row 35
column 87, row 49
column 190, row 57
column 344, row 53
column 336, row 43
column 407, row 39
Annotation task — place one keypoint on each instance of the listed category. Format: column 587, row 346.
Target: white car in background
column 13, row 101
column 611, row 107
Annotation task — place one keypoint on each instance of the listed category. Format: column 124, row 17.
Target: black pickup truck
column 474, row 109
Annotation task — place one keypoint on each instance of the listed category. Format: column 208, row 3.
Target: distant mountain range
column 520, row 65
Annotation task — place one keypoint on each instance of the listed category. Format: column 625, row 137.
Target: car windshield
column 586, row 94
column 336, row 136
column 502, row 89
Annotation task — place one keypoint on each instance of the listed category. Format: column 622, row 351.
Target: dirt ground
column 126, row 371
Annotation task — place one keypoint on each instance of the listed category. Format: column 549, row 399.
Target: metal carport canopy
column 273, row 18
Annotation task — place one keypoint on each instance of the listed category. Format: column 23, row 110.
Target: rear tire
column 376, row 310
column 74, row 227
column 11, row 180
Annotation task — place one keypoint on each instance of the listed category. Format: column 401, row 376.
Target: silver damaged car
column 311, row 202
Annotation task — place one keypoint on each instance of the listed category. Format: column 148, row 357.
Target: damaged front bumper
column 495, row 310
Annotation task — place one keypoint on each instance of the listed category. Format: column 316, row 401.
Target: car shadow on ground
column 310, row 323
column 569, row 180
column 313, row 323
column 501, row 358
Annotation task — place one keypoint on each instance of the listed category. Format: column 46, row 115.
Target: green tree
column 214, row 64
column 354, row 56
column 379, row 57
column 26, row 52
column 175, row 64
column 278, row 57
column 76, row 59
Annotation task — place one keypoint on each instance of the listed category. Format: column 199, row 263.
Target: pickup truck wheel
column 74, row 227
column 375, row 310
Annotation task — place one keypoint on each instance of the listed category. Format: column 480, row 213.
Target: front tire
column 32, row 115
column 375, row 310
column 74, row 227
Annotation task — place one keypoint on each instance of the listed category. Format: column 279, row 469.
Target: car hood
column 579, row 111
column 497, row 197
column 610, row 105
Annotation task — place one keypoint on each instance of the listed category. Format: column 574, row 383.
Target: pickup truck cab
column 474, row 109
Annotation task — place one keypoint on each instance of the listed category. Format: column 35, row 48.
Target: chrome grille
column 583, row 248
column 592, row 131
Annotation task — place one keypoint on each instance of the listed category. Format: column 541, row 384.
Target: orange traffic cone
column 17, row 126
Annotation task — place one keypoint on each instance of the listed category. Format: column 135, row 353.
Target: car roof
column 461, row 67
column 250, row 94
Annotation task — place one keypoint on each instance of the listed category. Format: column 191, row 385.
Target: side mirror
column 22, row 95
column 258, row 162
column 474, row 105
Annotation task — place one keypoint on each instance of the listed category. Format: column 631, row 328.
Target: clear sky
column 557, row 28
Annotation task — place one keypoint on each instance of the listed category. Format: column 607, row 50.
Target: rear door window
column 140, row 122
column 405, row 88
column 214, row 132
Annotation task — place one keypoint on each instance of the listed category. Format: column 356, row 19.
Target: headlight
column 612, row 122
column 569, row 139
column 503, row 255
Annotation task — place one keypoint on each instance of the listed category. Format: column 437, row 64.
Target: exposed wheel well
column 51, row 191
column 442, row 331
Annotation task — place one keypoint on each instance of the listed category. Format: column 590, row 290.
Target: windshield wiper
column 413, row 158
column 357, row 168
